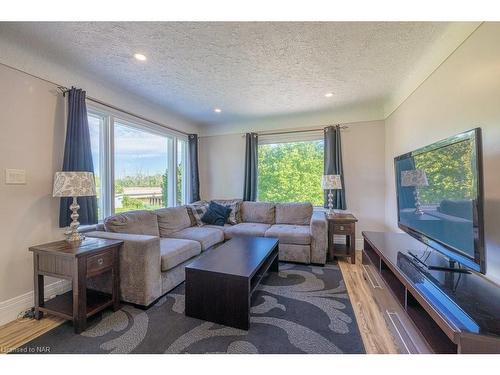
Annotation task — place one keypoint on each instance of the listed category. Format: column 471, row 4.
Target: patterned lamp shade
column 414, row 178
column 74, row 184
column 331, row 181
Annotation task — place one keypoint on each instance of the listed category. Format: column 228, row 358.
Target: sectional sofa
column 158, row 244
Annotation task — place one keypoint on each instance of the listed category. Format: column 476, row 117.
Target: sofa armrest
column 140, row 266
column 319, row 237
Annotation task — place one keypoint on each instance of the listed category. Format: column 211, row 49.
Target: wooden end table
column 342, row 224
column 76, row 262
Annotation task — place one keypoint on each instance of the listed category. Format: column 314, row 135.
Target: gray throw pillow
column 198, row 210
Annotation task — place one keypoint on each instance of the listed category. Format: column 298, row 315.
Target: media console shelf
column 455, row 312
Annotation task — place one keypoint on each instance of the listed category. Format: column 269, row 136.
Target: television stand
column 437, row 268
column 454, row 312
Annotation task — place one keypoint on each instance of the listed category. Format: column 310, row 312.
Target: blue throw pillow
column 212, row 217
column 220, row 209
column 216, row 214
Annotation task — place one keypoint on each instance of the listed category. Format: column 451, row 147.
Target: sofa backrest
column 294, row 213
column 133, row 222
column 258, row 212
column 173, row 219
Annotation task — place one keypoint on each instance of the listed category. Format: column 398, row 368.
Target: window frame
column 185, row 176
column 107, row 154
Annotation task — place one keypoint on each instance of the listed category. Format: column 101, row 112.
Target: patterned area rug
column 303, row 309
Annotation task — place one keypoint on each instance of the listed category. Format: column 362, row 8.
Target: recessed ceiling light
column 217, row 110
column 329, row 94
column 140, row 56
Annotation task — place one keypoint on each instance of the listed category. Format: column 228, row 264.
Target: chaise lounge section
column 159, row 244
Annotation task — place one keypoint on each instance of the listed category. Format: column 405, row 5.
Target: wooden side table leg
column 39, row 288
column 116, row 279
column 352, row 246
column 80, row 295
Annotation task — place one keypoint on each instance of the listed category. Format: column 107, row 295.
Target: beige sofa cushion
column 207, row 237
column 246, row 229
column 175, row 251
column 257, row 212
column 133, row 222
column 291, row 234
column 294, row 213
column 224, row 228
column 172, row 219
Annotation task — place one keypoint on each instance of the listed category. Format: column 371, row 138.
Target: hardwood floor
column 372, row 325
column 375, row 330
column 385, row 328
column 19, row 332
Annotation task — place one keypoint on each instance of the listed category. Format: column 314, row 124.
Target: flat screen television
column 440, row 197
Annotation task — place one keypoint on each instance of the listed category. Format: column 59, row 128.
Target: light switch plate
column 15, row 176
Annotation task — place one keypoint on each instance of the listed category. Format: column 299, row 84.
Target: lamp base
column 418, row 211
column 330, row 202
column 73, row 235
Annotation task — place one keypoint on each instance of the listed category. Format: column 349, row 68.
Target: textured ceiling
column 250, row 70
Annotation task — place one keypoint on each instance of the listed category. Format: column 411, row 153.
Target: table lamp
column 415, row 178
column 330, row 182
column 74, row 184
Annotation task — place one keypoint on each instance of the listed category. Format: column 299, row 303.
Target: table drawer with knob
column 99, row 262
column 343, row 228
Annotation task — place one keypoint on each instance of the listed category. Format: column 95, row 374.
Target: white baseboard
column 359, row 244
column 10, row 309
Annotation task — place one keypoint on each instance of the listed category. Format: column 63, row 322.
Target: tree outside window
column 291, row 172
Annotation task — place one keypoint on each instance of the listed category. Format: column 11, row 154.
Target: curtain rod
column 64, row 90
column 299, row 131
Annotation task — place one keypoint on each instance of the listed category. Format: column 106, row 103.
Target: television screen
column 439, row 192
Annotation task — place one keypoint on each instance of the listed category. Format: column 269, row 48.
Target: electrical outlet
column 15, row 176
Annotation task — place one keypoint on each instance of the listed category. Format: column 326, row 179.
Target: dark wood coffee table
column 220, row 283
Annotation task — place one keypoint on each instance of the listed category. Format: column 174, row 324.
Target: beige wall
column 32, row 131
column 32, row 138
column 222, row 160
column 363, row 156
column 221, row 163
column 462, row 94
